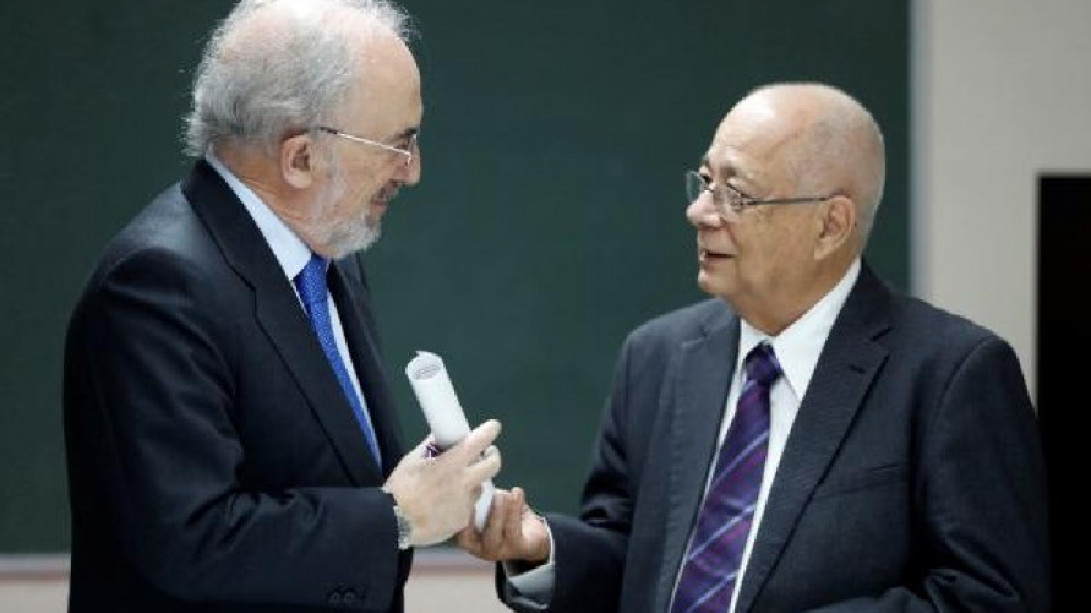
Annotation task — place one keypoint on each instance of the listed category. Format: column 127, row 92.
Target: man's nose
column 703, row 212
column 410, row 171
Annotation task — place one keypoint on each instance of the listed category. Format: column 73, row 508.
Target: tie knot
column 311, row 281
column 761, row 364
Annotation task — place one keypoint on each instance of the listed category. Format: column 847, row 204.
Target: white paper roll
column 437, row 399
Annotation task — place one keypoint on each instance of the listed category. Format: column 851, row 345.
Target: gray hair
column 253, row 88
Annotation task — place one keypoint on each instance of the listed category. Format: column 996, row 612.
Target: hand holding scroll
column 436, row 396
column 437, row 493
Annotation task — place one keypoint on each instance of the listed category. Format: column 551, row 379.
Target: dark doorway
column 1064, row 273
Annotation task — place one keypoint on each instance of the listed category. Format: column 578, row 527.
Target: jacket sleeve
column 980, row 496
column 591, row 550
column 151, row 365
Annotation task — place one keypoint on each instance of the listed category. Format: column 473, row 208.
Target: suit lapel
column 702, row 374
column 848, row 364
column 359, row 329
column 280, row 316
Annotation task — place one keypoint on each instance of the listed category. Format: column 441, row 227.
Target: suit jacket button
column 335, row 598
column 349, row 598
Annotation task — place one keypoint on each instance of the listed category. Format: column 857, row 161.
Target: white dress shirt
column 292, row 255
column 797, row 349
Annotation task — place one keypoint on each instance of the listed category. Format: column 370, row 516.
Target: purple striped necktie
column 710, row 568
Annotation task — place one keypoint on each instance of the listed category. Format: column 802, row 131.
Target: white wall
column 1001, row 91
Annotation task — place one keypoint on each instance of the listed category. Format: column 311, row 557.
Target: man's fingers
column 513, row 520
column 492, row 538
column 484, row 469
column 496, row 510
column 469, row 540
column 476, row 441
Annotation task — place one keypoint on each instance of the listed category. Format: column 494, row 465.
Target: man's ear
column 297, row 160
column 837, row 224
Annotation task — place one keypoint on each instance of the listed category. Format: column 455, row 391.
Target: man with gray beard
column 230, row 436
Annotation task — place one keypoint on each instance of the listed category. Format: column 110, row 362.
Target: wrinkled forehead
column 750, row 139
column 387, row 94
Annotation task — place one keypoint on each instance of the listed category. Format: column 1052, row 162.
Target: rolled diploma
column 437, row 399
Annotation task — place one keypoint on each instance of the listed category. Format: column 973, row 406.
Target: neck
column 774, row 314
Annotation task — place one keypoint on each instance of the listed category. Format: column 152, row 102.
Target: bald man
column 231, row 440
column 807, row 439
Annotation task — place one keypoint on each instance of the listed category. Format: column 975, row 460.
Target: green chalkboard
column 548, row 223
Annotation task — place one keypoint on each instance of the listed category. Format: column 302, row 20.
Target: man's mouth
column 706, row 255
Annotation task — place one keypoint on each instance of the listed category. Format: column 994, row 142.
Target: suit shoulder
column 164, row 250
column 165, row 230
column 941, row 341
column 943, row 326
column 683, row 323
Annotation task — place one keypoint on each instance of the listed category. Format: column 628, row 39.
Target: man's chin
column 360, row 241
column 712, row 285
column 371, row 237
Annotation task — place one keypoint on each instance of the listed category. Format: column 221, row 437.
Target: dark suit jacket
column 912, row 479
column 214, row 462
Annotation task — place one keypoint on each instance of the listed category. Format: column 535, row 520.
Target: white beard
column 344, row 238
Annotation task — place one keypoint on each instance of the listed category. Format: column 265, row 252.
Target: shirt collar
column 291, row 253
column 799, row 345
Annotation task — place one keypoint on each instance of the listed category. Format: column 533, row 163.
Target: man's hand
column 437, row 494
column 512, row 533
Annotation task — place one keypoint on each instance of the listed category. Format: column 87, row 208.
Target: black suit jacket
column 912, row 479
column 214, row 462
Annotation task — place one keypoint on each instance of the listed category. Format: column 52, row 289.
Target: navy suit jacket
column 912, row 479
column 214, row 462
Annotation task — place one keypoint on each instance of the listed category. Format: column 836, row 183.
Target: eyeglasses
column 407, row 152
column 726, row 197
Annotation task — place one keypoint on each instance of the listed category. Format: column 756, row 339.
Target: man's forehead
column 730, row 152
column 756, row 108
column 724, row 162
column 752, row 132
column 387, row 96
column 753, row 119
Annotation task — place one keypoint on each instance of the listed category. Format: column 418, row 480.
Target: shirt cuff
column 536, row 583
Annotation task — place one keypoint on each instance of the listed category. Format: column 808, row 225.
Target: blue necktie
column 311, row 283
column 710, row 568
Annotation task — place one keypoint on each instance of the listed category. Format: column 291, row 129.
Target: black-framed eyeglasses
column 726, row 197
column 406, row 152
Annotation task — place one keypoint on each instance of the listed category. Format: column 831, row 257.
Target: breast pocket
column 839, row 484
